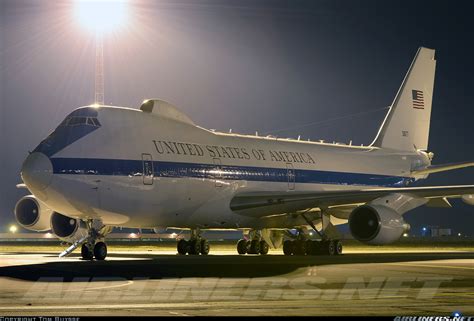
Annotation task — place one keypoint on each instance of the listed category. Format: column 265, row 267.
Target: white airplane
column 105, row 167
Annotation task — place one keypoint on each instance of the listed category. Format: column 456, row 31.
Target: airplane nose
column 37, row 171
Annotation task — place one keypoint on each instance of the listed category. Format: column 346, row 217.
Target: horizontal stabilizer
column 441, row 168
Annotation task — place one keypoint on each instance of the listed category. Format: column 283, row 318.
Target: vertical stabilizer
column 407, row 124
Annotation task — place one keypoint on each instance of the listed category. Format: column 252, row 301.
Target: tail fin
column 407, row 124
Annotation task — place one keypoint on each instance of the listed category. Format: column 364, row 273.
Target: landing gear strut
column 195, row 245
column 256, row 244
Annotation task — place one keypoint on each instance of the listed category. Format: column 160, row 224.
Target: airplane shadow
column 153, row 266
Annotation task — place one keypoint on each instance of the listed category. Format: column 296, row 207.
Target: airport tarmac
column 163, row 283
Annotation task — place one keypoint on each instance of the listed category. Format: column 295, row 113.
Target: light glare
column 100, row 16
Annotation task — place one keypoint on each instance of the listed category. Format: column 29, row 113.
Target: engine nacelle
column 468, row 199
column 33, row 214
column 68, row 229
column 376, row 224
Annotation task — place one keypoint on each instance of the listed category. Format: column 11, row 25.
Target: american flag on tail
column 418, row 99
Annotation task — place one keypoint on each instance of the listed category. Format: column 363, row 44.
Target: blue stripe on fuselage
column 120, row 167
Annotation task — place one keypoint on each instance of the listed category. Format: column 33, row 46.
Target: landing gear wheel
column 288, row 247
column 299, row 247
column 87, row 253
column 195, row 247
column 329, row 247
column 254, row 247
column 311, row 247
column 183, row 247
column 205, row 247
column 242, row 246
column 338, row 246
column 263, row 248
column 100, row 251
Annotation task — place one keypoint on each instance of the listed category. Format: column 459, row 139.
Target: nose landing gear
column 89, row 251
column 92, row 245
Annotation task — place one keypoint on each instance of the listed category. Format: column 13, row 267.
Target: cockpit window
column 74, row 121
column 96, row 121
column 78, row 120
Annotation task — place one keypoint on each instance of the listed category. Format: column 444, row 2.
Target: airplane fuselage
column 136, row 169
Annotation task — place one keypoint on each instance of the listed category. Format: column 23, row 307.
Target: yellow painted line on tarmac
column 470, row 294
column 433, row 266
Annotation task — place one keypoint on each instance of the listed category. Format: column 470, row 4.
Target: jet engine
column 468, row 199
column 68, row 229
column 33, row 214
column 376, row 224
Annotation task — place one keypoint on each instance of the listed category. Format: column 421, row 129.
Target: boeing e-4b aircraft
column 105, row 167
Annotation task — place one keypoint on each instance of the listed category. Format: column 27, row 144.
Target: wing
column 261, row 204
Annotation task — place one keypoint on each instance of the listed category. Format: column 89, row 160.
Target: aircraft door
column 147, row 169
column 290, row 171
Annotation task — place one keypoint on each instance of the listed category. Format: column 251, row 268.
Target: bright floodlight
column 13, row 229
column 101, row 16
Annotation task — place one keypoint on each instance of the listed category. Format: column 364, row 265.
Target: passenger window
column 90, row 121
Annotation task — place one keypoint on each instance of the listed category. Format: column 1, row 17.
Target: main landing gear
column 195, row 245
column 256, row 244
column 301, row 245
column 312, row 247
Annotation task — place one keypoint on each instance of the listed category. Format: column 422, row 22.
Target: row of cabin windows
column 79, row 120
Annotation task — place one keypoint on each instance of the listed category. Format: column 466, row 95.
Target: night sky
column 266, row 66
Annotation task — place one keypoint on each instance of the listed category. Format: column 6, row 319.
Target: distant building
column 437, row 232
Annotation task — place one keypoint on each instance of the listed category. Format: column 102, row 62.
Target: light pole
column 100, row 17
column 99, row 69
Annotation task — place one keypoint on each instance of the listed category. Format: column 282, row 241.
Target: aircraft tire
column 183, row 247
column 338, row 247
column 311, row 247
column 205, row 247
column 288, row 247
column 195, row 247
column 87, row 253
column 100, row 251
column 328, row 247
column 254, row 247
column 299, row 247
column 263, row 247
column 242, row 246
